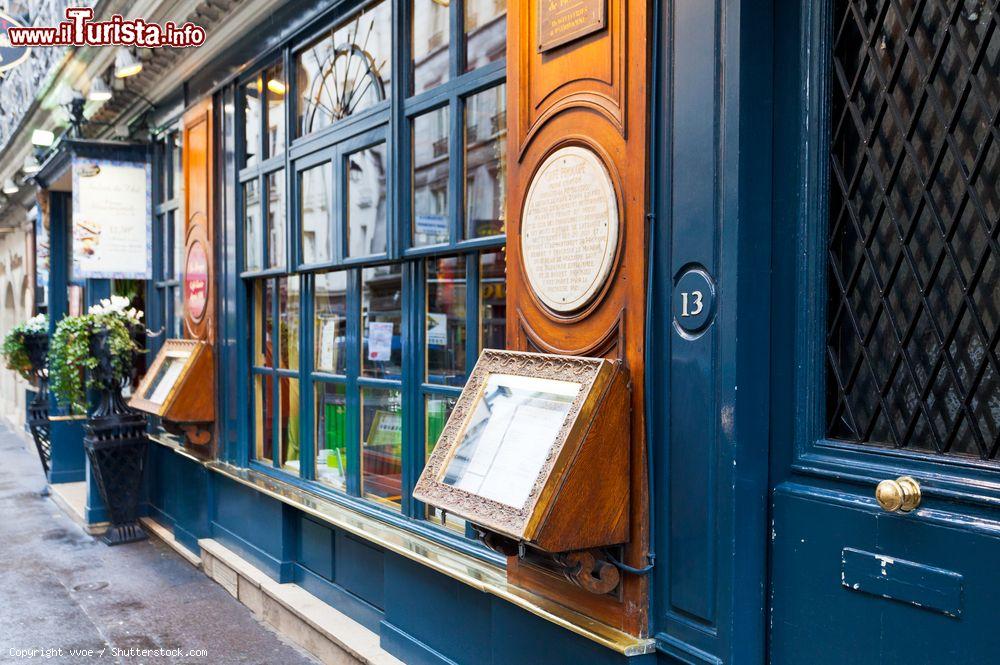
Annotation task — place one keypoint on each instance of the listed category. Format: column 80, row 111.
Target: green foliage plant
column 15, row 352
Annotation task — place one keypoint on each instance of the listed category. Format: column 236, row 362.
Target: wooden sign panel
column 588, row 94
column 562, row 21
column 199, row 292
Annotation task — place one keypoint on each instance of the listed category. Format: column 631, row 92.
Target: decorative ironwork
column 914, row 260
column 37, row 347
column 115, row 441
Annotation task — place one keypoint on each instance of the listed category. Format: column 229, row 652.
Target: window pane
column 276, row 219
column 264, row 318
column 366, row 228
column 485, row 162
column 381, row 454
column 263, row 419
column 176, row 161
column 430, row 177
column 169, row 242
column 346, row 71
column 176, row 324
column 493, row 300
column 331, row 435
column 437, row 408
column 289, row 423
column 289, row 308
column 445, row 328
column 276, row 88
column 163, row 173
column 330, row 311
column 430, row 43
column 253, row 229
column 381, row 317
column 315, row 203
column 485, row 32
column 251, row 120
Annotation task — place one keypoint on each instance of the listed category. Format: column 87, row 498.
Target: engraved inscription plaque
column 562, row 21
column 569, row 229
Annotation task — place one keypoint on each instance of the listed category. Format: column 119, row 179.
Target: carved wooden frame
column 593, row 375
column 195, row 349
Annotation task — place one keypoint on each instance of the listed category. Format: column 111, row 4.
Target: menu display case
column 536, row 452
column 178, row 388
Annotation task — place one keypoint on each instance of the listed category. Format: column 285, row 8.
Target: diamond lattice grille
column 914, row 262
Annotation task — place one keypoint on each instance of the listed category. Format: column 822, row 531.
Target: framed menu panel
column 179, row 387
column 536, row 449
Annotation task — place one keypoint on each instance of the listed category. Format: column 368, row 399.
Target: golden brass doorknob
column 902, row 494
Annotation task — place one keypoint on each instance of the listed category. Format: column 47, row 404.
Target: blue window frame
column 372, row 286
column 168, row 242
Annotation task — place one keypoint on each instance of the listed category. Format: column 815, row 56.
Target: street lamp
column 99, row 90
column 126, row 64
column 10, row 187
column 42, row 138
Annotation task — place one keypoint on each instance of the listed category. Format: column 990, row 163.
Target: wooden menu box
column 179, row 388
column 537, row 451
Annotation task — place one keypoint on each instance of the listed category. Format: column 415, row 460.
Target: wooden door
column 585, row 87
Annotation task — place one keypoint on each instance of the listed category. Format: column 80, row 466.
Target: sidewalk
column 62, row 589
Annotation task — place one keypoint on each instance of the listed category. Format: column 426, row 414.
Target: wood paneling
column 198, row 160
column 591, row 92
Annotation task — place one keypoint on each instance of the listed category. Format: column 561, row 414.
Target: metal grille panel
column 914, row 264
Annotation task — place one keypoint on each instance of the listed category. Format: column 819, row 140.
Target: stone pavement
column 62, row 589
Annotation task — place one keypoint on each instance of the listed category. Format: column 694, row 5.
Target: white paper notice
column 111, row 220
column 380, row 340
column 328, row 344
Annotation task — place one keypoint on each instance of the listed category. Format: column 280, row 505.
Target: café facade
column 557, row 331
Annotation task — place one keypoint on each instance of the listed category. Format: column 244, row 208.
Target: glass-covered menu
column 166, row 377
column 514, row 424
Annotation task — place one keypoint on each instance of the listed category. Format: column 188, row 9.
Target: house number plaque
column 694, row 302
column 569, row 229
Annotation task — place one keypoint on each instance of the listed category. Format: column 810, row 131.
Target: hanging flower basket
column 26, row 349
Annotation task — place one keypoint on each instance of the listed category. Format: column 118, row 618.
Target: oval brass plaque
column 569, row 229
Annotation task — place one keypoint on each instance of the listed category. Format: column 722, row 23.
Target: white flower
column 119, row 306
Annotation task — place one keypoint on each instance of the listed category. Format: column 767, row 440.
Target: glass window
column 276, row 88
column 430, row 178
column 177, row 165
column 315, row 208
column 252, row 93
column 381, row 322
column 485, row 162
column 276, row 219
column 346, row 71
column 289, row 423
column 330, row 314
column 437, row 409
column 253, row 227
column 485, row 32
column 445, row 328
column 289, row 313
column 331, row 435
column 263, row 340
column 430, row 36
column 366, row 196
column 381, row 445
column 493, row 300
column 264, row 410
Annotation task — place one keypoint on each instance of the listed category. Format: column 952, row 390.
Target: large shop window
column 372, row 207
column 168, row 227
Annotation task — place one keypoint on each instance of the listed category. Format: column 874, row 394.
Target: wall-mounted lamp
column 42, row 138
column 10, row 187
column 276, row 86
column 99, row 90
column 31, row 165
column 126, row 64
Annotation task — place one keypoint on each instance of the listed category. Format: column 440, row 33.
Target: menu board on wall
column 112, row 220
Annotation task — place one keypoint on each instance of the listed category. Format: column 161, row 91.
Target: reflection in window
column 289, row 297
column 264, row 429
column 485, row 32
column 289, row 423
column 346, row 71
column 445, row 332
column 252, row 93
column 276, row 219
column 430, row 177
column 381, row 322
column 381, row 445
column 331, row 435
column 276, row 89
column 366, row 214
column 430, row 43
column 330, row 313
column 253, row 227
column 437, row 408
column 315, row 204
column 263, row 343
column 485, row 162
column 176, row 162
column 493, row 300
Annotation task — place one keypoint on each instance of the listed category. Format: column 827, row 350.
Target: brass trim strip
column 462, row 567
column 61, row 419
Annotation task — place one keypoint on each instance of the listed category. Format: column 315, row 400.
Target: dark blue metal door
column 886, row 319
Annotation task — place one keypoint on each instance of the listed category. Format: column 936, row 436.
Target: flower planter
column 116, row 444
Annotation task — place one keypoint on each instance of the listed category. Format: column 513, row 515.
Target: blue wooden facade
column 769, row 545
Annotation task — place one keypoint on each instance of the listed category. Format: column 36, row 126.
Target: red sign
column 196, row 281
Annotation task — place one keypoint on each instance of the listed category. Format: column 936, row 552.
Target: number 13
column 686, row 303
